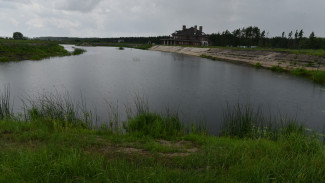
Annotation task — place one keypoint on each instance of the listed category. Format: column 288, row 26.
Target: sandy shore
column 267, row 59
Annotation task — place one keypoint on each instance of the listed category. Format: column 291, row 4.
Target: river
column 200, row 89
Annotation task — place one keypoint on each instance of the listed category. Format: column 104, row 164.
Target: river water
column 200, row 89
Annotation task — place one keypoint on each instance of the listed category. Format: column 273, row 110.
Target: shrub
column 258, row 65
column 277, row 68
column 155, row 125
column 300, row 72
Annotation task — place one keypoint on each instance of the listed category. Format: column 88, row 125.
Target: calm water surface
column 199, row 88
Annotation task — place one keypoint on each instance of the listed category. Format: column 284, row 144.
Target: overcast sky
column 115, row 18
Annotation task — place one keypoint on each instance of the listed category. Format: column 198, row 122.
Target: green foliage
column 245, row 122
column 59, row 109
column 277, row 68
column 155, row 125
column 78, row 51
column 208, row 57
column 300, row 72
column 4, row 59
column 5, row 108
column 15, row 50
column 258, row 65
column 318, row 76
column 18, row 36
column 253, row 36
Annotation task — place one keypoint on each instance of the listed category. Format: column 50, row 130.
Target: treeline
column 135, row 40
column 253, row 36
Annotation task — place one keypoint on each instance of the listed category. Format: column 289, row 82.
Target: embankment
column 266, row 59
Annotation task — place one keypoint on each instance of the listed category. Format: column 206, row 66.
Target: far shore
column 265, row 59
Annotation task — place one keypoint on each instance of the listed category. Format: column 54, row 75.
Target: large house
column 191, row 36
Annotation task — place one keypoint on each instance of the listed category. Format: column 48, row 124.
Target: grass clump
column 208, row 57
column 78, row 51
column 277, row 68
column 5, row 108
column 155, row 125
column 258, row 65
column 318, row 76
column 245, row 122
column 300, row 72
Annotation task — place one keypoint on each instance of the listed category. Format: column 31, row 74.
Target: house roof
column 190, row 32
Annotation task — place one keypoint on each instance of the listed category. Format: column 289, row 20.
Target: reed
column 5, row 108
column 60, row 108
column 245, row 122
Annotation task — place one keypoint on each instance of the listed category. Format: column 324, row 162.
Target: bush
column 258, row 65
column 300, row 72
column 277, row 68
column 78, row 51
column 155, row 125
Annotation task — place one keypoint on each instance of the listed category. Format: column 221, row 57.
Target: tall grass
column 59, row 108
column 5, row 108
column 316, row 75
column 245, row 122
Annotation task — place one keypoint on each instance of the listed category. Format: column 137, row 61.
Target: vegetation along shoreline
column 18, row 50
column 53, row 141
column 305, row 63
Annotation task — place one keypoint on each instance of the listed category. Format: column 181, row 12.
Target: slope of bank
column 266, row 59
column 16, row 50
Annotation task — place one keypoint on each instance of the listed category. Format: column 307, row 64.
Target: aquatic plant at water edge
column 245, row 122
column 5, row 108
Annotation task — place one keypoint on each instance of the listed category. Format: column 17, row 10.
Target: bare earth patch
column 185, row 148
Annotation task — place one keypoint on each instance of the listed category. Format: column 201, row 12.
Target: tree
column 301, row 34
column 18, row 35
column 296, row 34
column 290, row 35
column 312, row 35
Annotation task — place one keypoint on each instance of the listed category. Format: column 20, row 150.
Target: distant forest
column 248, row 37
column 253, row 36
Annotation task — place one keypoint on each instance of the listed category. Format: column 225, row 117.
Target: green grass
column 16, row 50
column 36, row 152
column 258, row 65
column 46, row 145
column 78, row 51
column 315, row 75
column 277, row 68
column 208, row 57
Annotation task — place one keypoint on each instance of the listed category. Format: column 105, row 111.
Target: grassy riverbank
column 52, row 141
column 16, row 50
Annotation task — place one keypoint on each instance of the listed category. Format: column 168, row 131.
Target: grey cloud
column 76, row 5
column 114, row 18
